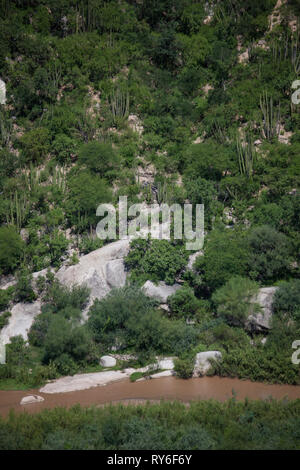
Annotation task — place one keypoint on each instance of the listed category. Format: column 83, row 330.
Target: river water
column 168, row 388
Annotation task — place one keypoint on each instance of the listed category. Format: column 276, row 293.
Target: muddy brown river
column 168, row 388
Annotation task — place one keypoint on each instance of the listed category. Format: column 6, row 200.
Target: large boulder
column 108, row 361
column 30, row 399
column 261, row 321
column 159, row 292
column 20, row 321
column 166, row 363
column 202, row 361
column 100, row 270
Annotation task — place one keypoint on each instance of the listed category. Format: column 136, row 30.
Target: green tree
column 234, row 300
column 269, row 254
column 35, row 145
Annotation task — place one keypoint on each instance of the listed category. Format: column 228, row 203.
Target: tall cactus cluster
column 18, row 210
column 271, row 117
column 287, row 48
column 246, row 155
column 119, row 102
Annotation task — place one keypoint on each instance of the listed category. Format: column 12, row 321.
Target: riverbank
column 167, row 388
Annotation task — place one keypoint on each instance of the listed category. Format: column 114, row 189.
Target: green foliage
column 183, row 303
column 259, row 425
column 135, row 376
column 35, row 145
column 6, row 296
column 269, row 254
column 158, row 260
column 11, row 249
column 184, row 368
column 233, row 300
column 23, row 288
column 225, row 255
column 4, row 319
column 100, row 158
column 287, row 299
column 87, row 191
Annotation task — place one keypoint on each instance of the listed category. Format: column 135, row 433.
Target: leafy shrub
column 157, row 260
column 225, row 255
column 287, row 299
column 269, row 254
column 99, row 157
column 11, row 249
column 233, row 300
column 23, row 288
column 5, row 297
column 35, row 144
column 4, row 319
column 183, row 303
column 184, row 368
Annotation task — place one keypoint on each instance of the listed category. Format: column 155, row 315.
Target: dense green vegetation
column 207, row 425
column 218, row 130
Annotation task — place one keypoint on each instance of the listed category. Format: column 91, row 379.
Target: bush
column 184, row 368
column 225, row 255
column 183, row 303
column 23, row 288
column 287, row 299
column 269, row 254
column 100, row 158
column 5, row 297
column 233, row 300
column 157, row 260
column 35, row 144
column 11, row 249
column 4, row 319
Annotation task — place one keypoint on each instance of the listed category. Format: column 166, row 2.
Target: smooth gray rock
column 99, row 270
column 108, row 361
column 192, row 259
column 202, row 361
column 261, row 321
column 115, row 273
column 30, row 399
column 166, row 363
column 159, row 292
column 20, row 321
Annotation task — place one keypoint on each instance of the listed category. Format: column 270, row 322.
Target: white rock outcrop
column 161, row 291
column 166, row 363
column 100, row 270
column 261, row 321
column 20, row 321
column 202, row 361
column 192, row 259
column 2, row 92
column 84, row 381
column 30, row 399
column 108, row 361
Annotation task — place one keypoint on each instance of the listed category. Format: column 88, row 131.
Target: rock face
column 159, row 292
column 108, row 361
column 261, row 321
column 166, row 363
column 31, row 399
column 2, row 92
column 83, row 381
column 20, row 321
column 202, row 362
column 192, row 259
column 100, row 270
